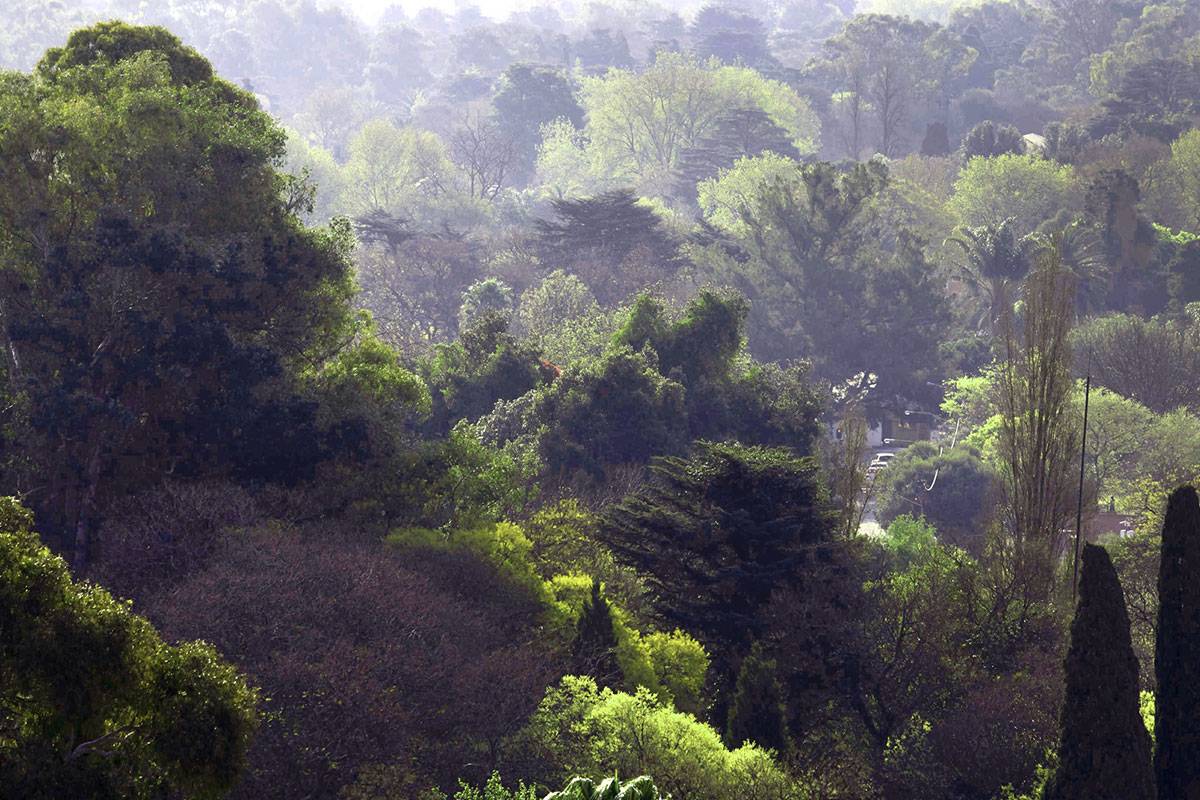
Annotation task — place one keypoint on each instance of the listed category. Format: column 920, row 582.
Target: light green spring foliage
column 590, row 731
column 642, row 788
column 1173, row 186
column 561, row 316
column 371, row 369
column 1029, row 189
column 80, row 676
column 318, row 167
column 728, row 198
column 910, row 539
column 406, row 172
column 638, row 123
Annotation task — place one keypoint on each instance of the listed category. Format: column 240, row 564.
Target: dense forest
column 600, row 401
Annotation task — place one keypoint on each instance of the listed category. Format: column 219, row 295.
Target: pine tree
column 594, row 652
column 757, row 713
column 1177, row 657
column 1105, row 749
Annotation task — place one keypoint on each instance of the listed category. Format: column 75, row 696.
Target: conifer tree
column 757, row 713
column 594, row 652
column 1105, row 749
column 1177, row 656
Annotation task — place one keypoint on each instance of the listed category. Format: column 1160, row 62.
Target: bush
column 580, row 729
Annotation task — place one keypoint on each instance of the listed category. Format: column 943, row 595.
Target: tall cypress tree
column 594, row 652
column 1177, row 656
column 1105, row 749
column 757, row 713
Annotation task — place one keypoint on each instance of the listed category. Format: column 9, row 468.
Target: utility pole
column 1087, row 393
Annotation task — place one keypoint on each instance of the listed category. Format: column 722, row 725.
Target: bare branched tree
column 1039, row 434
column 484, row 152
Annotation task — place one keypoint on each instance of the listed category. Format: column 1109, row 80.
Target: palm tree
column 996, row 263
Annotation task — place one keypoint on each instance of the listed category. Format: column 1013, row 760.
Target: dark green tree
column 737, row 133
column 989, row 139
column 1177, row 653
column 613, row 241
column 594, row 651
column 959, row 503
column 717, row 533
column 94, row 704
column 1105, row 749
column 527, row 98
column 160, row 294
column 757, row 712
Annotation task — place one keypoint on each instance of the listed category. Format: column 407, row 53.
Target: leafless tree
column 484, row 152
column 1039, row 434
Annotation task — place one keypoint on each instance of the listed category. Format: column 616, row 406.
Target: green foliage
column 642, row 788
column 988, row 139
column 1025, row 188
column 959, row 504
column 594, row 651
column 910, row 540
column 1105, row 750
column 96, row 704
column 715, row 534
column 757, row 712
column 181, row 291
column 640, row 123
column 616, row 410
column 823, row 285
column 681, row 665
column 580, row 729
column 487, row 364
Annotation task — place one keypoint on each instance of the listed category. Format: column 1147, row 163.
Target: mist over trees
column 611, row 399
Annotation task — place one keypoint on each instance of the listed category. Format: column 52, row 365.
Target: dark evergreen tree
column 1177, row 657
column 717, row 534
column 1105, row 749
column 594, row 651
column 736, row 133
column 757, row 712
column 989, row 139
column 615, row 243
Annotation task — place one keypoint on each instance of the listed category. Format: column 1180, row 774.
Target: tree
column 885, row 66
column 738, row 133
column 822, row 284
column 527, row 98
column 955, row 491
column 1173, row 193
column 640, row 123
column 642, row 788
column 732, row 36
column 1038, row 431
column 997, row 261
column 594, row 651
column 160, row 295
column 1176, row 660
column 1025, row 188
column 756, row 712
column 1148, row 360
column 614, row 242
column 988, row 139
column 96, row 704
column 341, row 690
column 581, row 729
column 484, row 153
column 717, row 533
column 1105, row 749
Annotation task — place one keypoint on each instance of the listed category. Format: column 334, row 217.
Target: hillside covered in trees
column 600, row 400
